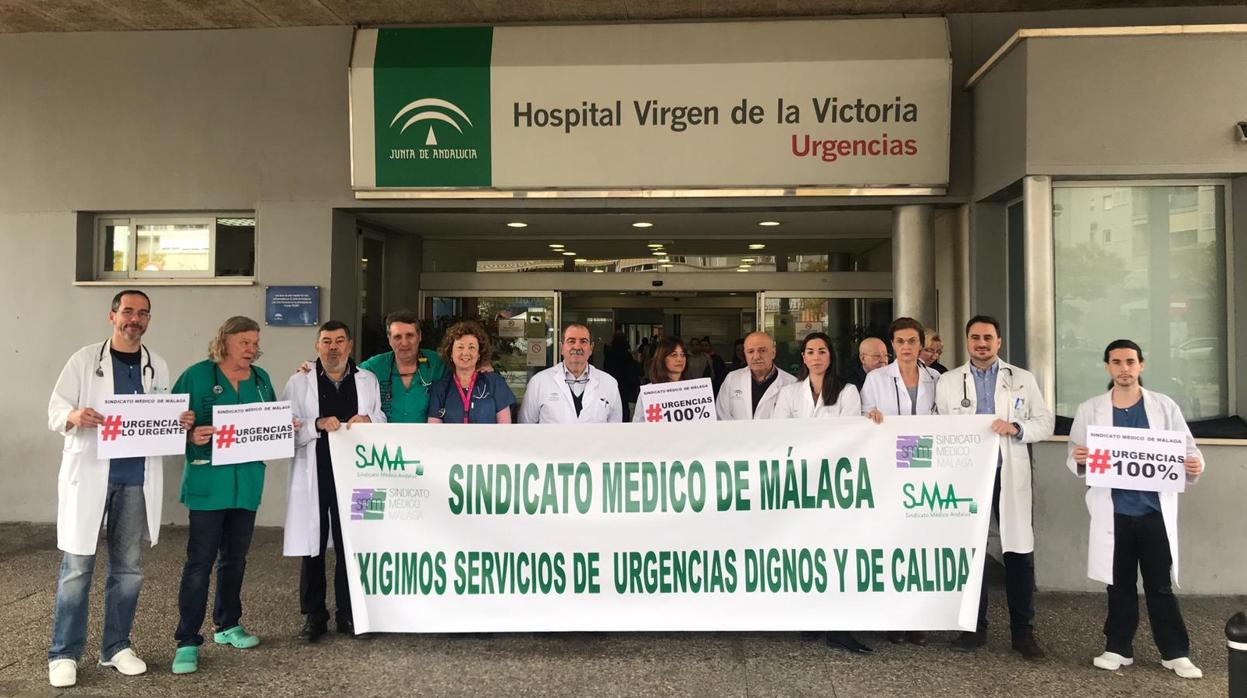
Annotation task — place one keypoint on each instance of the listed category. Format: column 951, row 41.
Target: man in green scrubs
column 406, row 373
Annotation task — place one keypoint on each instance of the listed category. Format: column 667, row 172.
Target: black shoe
column 970, row 641
column 1028, row 647
column 916, row 637
column 347, row 627
column 312, row 630
column 845, row 640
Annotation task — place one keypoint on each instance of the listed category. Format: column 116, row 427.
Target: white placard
column 680, row 401
column 511, row 328
column 787, row 524
column 536, row 352
column 141, row 425
column 1136, row 459
column 251, row 432
column 805, row 329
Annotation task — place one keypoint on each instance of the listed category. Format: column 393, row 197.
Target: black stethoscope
column 896, row 385
column 147, row 365
column 965, row 390
column 387, row 386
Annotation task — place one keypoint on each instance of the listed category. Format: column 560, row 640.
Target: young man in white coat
column 987, row 385
column 126, row 491
column 334, row 393
column 1134, row 531
column 572, row 391
column 751, row 392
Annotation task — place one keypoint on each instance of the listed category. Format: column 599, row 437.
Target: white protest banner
column 251, row 432
column 769, row 525
column 678, row 401
column 141, row 425
column 1152, row 460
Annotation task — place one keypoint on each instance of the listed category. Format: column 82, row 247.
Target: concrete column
column 913, row 263
column 1040, row 283
column 961, row 284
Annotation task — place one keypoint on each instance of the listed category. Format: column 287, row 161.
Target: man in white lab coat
column 1132, row 530
column 127, row 492
column 987, row 385
column 751, row 392
column 572, row 391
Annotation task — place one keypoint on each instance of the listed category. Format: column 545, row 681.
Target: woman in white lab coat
column 905, row 386
column 670, row 364
column 818, row 392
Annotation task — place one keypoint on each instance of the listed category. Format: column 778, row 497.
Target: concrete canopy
column 18, row 16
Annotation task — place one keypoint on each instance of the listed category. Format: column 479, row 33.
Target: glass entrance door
column 522, row 328
column 847, row 317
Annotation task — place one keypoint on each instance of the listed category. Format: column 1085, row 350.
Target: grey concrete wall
column 1000, row 114
column 1209, row 541
column 1136, row 105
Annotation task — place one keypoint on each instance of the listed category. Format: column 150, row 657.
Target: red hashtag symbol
column 112, row 428
column 225, row 436
column 1097, row 461
column 653, row 413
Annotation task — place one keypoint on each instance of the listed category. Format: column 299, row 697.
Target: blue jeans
column 223, row 537
column 126, row 512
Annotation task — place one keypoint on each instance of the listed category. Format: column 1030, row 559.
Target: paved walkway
column 576, row 664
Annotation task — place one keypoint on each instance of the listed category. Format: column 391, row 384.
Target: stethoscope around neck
column 147, row 363
column 387, row 386
column 217, row 388
column 965, row 386
column 896, row 385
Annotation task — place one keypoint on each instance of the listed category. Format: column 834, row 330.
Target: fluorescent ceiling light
column 768, row 224
column 642, row 224
column 517, row 224
column 757, row 246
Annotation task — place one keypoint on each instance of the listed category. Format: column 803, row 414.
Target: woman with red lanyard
column 467, row 396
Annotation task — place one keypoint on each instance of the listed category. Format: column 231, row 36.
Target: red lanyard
column 466, row 395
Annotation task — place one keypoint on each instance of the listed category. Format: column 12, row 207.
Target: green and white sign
column 847, row 103
column 768, row 525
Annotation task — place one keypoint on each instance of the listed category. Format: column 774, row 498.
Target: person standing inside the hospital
column 469, row 395
column 222, row 499
column 333, row 395
column 987, row 385
column 751, row 392
column 903, row 387
column 572, row 391
column 126, row 492
column 1133, row 531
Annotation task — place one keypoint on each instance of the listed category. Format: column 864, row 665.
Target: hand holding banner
column 141, row 425
column 1151, row 460
column 680, row 401
column 252, row 432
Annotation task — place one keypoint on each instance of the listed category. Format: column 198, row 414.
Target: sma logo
column 934, row 499
column 383, row 460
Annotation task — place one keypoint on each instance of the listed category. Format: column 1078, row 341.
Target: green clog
column 236, row 637
column 186, row 660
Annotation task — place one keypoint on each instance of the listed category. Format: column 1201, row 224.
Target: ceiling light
column 748, row 260
column 599, row 271
column 757, row 246
column 642, row 224
column 659, row 253
column 568, row 254
column 517, row 224
column 744, row 270
column 768, row 224
column 655, row 245
column 578, row 260
column 556, row 245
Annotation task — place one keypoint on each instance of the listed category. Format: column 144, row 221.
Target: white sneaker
column 126, row 662
column 1112, row 661
column 1183, row 667
column 62, row 673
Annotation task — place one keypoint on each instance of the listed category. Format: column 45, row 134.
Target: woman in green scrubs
column 222, row 499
